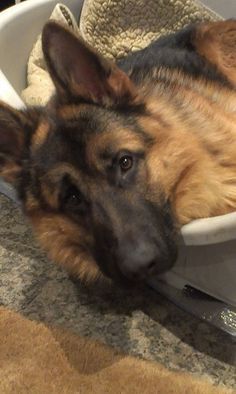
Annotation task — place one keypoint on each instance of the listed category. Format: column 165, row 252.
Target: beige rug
column 35, row 358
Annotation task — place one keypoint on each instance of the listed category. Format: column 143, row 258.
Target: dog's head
column 83, row 168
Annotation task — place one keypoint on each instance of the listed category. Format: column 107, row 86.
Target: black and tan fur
column 125, row 154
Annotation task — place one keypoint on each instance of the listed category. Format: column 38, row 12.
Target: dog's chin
column 118, row 278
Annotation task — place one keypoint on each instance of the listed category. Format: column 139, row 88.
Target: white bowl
column 208, row 247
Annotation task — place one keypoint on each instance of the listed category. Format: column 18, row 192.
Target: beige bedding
column 114, row 28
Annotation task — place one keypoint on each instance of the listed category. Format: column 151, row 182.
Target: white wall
column 226, row 8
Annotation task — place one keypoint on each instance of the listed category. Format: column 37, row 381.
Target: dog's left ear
column 79, row 72
column 216, row 42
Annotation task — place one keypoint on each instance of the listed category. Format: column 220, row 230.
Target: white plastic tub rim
column 32, row 15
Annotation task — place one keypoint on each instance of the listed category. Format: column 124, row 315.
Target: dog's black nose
column 143, row 261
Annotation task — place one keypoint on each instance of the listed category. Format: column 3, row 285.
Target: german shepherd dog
column 126, row 153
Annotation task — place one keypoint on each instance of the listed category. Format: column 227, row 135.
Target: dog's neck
column 194, row 126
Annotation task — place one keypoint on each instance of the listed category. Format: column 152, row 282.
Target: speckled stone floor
column 139, row 322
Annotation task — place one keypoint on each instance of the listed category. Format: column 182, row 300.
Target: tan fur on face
column 113, row 142
column 10, row 171
column 50, row 183
column 69, row 112
column 40, row 134
column 65, row 244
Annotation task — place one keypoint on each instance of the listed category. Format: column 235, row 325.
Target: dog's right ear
column 16, row 128
column 78, row 72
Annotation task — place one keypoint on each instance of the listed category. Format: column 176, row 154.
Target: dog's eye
column 73, row 197
column 126, row 163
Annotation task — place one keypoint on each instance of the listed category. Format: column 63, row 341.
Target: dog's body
column 195, row 158
column 123, row 155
